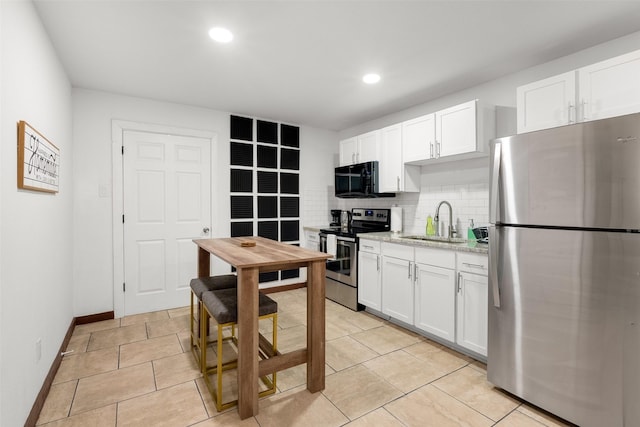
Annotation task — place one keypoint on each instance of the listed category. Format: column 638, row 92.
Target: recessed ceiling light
column 371, row 78
column 221, row 35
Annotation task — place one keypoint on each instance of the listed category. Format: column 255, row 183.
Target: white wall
column 35, row 267
column 465, row 183
column 93, row 113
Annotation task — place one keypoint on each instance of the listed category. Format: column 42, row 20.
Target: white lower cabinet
column 472, row 303
column 369, row 274
column 435, row 301
column 397, row 282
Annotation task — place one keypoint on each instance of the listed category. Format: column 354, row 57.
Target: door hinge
column 123, row 218
column 123, row 150
column 124, row 288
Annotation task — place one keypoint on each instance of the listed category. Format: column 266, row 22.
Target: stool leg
column 219, row 371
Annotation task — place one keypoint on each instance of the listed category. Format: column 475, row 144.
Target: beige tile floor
column 139, row 371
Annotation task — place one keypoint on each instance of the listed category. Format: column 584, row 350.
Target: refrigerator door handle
column 493, row 265
column 495, row 176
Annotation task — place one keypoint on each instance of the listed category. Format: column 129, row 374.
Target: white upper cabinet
column 394, row 175
column 348, row 151
column 547, row 103
column 418, row 138
column 361, row 148
column 605, row 89
column 610, row 88
column 456, row 130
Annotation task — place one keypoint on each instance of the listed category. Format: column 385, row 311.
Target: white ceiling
column 302, row 61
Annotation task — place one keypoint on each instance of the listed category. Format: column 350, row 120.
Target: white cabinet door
column 456, row 131
column 472, row 320
column 547, row 103
column 435, row 299
column 610, row 88
column 369, row 280
column 312, row 240
column 390, row 166
column 368, row 147
column 348, row 151
column 397, row 288
column 418, row 137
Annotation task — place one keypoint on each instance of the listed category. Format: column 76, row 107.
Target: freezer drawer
column 565, row 332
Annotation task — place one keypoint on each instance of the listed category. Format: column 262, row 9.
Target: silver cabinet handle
column 398, row 182
column 409, row 276
column 353, row 157
column 493, row 265
column 377, row 262
column 431, row 150
column 367, row 247
column 437, row 149
column 415, row 272
column 459, row 282
column 205, row 230
column 473, row 265
column 494, row 215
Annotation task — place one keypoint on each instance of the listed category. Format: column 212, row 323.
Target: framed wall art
column 38, row 161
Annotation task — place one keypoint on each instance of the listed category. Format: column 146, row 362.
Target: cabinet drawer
column 372, row 246
column 397, row 251
column 473, row 263
column 312, row 236
column 438, row 257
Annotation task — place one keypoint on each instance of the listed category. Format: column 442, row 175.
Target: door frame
column 118, row 127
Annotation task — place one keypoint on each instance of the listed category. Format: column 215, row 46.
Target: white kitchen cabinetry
column 472, row 302
column 394, row 175
column 397, row 282
column 605, row 89
column 547, row 103
column 610, row 88
column 361, row 148
column 370, row 274
column 454, row 131
column 418, row 138
column 435, row 292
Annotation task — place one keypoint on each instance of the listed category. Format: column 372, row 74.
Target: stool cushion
column 223, row 305
column 213, row 283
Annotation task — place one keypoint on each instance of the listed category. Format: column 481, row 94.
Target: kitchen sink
column 437, row 239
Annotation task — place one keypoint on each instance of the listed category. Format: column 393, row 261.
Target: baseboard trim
column 99, row 317
column 32, row 419
column 283, row 288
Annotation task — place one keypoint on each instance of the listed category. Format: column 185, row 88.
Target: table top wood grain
column 266, row 252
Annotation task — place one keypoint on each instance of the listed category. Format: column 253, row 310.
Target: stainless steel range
column 341, row 242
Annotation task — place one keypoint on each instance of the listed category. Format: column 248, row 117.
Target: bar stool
column 198, row 287
column 222, row 305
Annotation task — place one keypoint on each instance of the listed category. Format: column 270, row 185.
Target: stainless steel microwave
column 358, row 181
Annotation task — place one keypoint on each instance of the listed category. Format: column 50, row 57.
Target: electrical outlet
column 38, row 349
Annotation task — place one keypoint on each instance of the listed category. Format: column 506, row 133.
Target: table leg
column 247, row 342
column 315, row 325
column 204, row 263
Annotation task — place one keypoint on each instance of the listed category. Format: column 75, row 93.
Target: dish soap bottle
column 470, row 234
column 430, row 230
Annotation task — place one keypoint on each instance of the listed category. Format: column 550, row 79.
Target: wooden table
column 269, row 255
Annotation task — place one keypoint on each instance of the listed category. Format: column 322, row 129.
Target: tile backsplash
column 466, row 189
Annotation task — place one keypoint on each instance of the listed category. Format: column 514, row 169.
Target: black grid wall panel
column 289, row 207
column 267, row 182
column 267, row 132
column 242, row 128
column 241, row 229
column 268, row 229
column 241, row 154
column 241, row 181
column 241, row 207
column 289, row 183
column 267, row 157
column 289, row 159
column 267, row 206
column 289, row 231
column 290, row 135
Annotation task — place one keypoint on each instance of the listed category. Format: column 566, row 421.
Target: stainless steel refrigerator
column 564, row 280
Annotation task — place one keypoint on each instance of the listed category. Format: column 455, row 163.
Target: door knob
column 205, row 230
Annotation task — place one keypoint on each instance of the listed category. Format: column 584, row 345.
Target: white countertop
column 387, row 236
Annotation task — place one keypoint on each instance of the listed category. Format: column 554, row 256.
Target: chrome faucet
column 451, row 230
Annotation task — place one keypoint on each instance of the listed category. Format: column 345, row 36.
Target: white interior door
column 166, row 203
